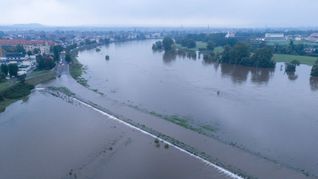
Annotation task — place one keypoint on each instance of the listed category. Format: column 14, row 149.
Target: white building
column 313, row 37
column 275, row 36
column 44, row 49
column 230, row 35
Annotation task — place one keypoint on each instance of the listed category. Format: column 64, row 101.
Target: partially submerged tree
column 314, row 70
column 263, row 58
column 291, row 66
column 168, row 43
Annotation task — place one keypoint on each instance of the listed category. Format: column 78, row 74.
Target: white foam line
column 222, row 170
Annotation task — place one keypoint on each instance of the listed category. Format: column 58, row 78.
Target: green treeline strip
column 16, row 91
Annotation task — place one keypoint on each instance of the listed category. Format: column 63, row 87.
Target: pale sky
column 215, row 13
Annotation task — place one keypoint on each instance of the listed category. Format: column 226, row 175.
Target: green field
column 76, row 71
column 218, row 50
column 5, row 85
column 199, row 45
column 38, row 77
column 288, row 58
column 286, row 42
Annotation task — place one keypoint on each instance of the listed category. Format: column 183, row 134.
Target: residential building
column 313, row 37
column 29, row 45
column 275, row 36
column 230, row 35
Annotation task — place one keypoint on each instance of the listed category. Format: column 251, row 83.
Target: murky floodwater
column 265, row 111
column 57, row 137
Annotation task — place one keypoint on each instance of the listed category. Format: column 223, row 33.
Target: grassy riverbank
column 288, row 58
column 76, row 71
column 12, row 90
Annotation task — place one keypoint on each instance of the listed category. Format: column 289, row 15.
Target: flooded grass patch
column 63, row 90
column 76, row 71
column 38, row 77
column 14, row 93
column 207, row 130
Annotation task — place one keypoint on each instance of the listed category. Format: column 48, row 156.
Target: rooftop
column 15, row 42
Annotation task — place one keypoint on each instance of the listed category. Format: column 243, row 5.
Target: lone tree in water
column 314, row 70
column 167, row 44
column 291, row 66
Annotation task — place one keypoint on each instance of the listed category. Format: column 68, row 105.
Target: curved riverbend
column 169, row 86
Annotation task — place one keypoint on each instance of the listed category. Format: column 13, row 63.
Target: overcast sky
column 217, row 13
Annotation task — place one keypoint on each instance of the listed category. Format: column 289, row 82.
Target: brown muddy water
column 57, row 137
column 267, row 112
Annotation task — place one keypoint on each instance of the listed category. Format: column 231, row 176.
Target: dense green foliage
column 29, row 53
column 157, row 46
column 236, row 54
column 314, row 70
column 36, row 51
column 240, row 55
column 57, row 49
column 291, row 66
column 167, row 44
column 211, row 45
column 263, row 58
column 17, row 91
column 295, row 62
column 20, row 49
column 187, row 42
column 45, row 62
column 68, row 58
column 13, row 69
column 291, row 48
column 14, row 49
column 4, row 69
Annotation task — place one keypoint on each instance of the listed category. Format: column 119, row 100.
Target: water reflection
column 170, row 56
column 187, row 54
column 239, row 74
column 292, row 76
column 187, row 84
column 314, row 84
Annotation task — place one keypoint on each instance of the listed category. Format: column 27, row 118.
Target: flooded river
column 56, row 137
column 266, row 112
column 263, row 117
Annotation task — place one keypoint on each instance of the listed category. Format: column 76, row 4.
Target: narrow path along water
column 264, row 111
column 220, row 169
column 55, row 137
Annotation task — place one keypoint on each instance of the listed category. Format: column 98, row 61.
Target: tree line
column 10, row 69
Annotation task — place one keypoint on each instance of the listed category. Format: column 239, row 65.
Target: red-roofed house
column 29, row 45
